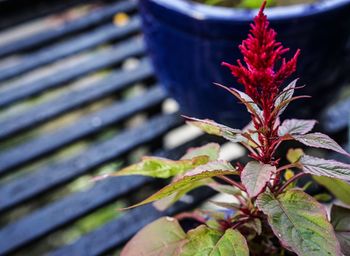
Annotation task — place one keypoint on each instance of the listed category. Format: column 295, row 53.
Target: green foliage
column 168, row 238
column 340, row 189
column 340, row 217
column 162, row 168
column 186, row 182
column 210, row 150
column 204, row 241
column 300, row 223
column 210, row 127
column 294, row 154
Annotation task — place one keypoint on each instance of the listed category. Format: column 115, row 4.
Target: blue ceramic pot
column 188, row 41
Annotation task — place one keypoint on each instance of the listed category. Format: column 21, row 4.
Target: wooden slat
column 59, row 173
column 116, row 232
column 129, row 48
column 68, row 209
column 114, row 82
column 92, row 19
column 75, row 45
column 17, row 191
column 11, row 158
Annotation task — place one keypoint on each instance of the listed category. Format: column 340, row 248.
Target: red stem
column 232, row 182
column 294, row 178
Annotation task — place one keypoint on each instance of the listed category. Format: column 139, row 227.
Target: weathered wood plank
column 129, row 48
column 47, row 219
column 114, row 82
column 90, row 20
column 70, row 47
column 17, row 191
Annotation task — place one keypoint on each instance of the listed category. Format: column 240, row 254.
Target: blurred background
column 87, row 87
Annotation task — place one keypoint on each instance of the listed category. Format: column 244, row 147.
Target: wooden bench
column 44, row 114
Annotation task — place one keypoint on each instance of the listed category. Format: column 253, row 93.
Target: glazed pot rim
column 200, row 11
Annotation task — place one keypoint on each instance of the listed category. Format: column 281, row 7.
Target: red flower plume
column 261, row 53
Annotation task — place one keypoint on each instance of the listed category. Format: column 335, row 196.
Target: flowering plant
column 271, row 215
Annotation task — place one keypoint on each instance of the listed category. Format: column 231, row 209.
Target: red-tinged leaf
column 211, row 150
column 162, row 168
column 320, row 140
column 300, row 222
column 211, row 127
column 285, row 96
column 296, row 126
column 340, row 219
column 251, row 106
column 323, row 167
column 281, row 107
column 255, row 175
column 212, row 166
column 163, row 237
column 212, row 169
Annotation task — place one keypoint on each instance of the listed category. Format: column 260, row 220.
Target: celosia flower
column 260, row 76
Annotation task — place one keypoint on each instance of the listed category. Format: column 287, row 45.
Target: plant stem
column 294, row 178
column 287, row 166
column 232, row 182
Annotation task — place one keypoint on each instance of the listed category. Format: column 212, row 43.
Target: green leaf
column 231, row 243
column 166, row 202
column 294, row 154
column 295, row 126
column 211, row 127
column 340, row 189
column 211, row 150
column 323, row 197
column 181, row 184
column 163, row 237
column 255, row 175
column 204, row 241
column 340, row 218
column 319, row 140
column 300, row 222
column 286, row 95
column 322, row 167
column 162, row 168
